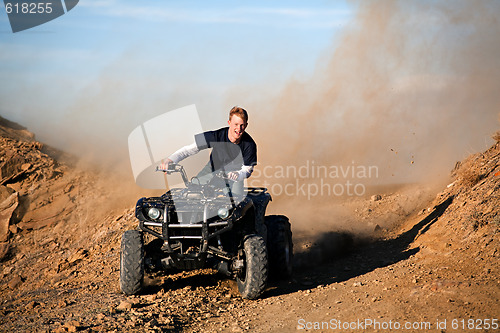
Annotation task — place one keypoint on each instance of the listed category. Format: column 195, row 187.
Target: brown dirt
column 412, row 258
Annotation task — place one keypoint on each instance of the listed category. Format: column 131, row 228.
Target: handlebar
column 223, row 175
column 174, row 167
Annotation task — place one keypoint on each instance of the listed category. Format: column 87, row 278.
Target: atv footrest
column 184, row 261
column 186, row 237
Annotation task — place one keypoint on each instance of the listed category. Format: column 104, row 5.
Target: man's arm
column 184, row 153
column 180, row 155
column 240, row 175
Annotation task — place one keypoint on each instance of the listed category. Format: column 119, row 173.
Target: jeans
column 207, row 176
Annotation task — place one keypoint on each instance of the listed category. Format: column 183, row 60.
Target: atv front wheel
column 279, row 246
column 252, row 279
column 131, row 262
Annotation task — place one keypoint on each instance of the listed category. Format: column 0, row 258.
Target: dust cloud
column 406, row 91
column 409, row 89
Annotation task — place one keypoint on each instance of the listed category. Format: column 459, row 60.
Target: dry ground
column 433, row 268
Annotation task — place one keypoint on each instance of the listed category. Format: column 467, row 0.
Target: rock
column 153, row 323
column 49, row 211
column 7, row 208
column 16, row 187
column 31, row 305
column 72, row 326
column 4, row 249
column 62, row 265
column 77, row 256
column 13, row 229
column 376, row 197
column 15, row 282
column 5, row 192
column 60, row 330
column 68, row 188
column 11, row 166
column 124, row 306
column 7, row 270
column 150, row 298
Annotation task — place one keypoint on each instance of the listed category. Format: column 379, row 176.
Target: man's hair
column 240, row 112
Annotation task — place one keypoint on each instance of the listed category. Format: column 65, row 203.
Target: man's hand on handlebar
column 164, row 165
column 233, row 175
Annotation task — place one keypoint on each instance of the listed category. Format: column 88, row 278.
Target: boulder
column 7, row 208
column 11, row 166
column 5, row 192
column 4, row 249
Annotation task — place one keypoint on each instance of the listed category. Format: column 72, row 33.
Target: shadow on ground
column 162, row 281
column 334, row 257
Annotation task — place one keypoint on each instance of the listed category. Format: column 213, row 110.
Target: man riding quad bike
column 206, row 225
column 213, row 221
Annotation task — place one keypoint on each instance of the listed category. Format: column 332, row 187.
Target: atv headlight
column 223, row 213
column 154, row 213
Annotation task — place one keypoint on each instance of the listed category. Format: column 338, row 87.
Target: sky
column 144, row 58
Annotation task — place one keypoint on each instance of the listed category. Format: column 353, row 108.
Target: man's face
column 237, row 127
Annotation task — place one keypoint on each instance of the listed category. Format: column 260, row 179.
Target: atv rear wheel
column 279, row 246
column 252, row 279
column 131, row 262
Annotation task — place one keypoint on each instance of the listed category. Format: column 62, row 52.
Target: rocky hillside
column 26, row 175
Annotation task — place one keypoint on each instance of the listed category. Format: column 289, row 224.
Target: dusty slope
column 441, row 266
column 59, row 269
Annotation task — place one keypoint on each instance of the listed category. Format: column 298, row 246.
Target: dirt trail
column 432, row 267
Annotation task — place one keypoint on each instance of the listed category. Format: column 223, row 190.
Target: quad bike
column 202, row 226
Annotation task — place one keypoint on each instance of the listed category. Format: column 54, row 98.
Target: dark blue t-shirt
column 226, row 154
